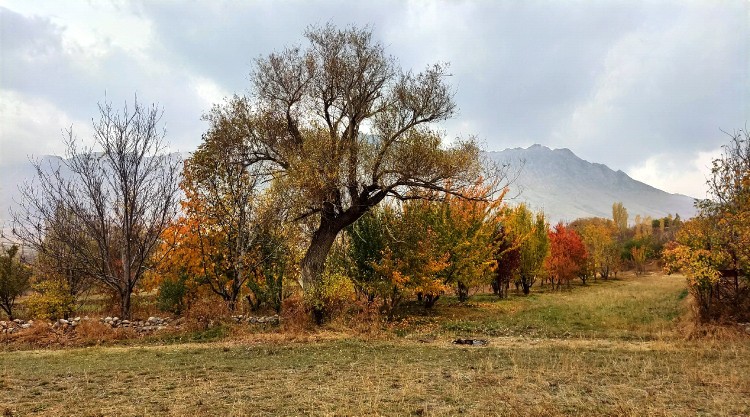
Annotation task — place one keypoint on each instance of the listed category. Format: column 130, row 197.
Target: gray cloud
column 618, row 82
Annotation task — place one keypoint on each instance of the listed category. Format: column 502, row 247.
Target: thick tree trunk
column 313, row 265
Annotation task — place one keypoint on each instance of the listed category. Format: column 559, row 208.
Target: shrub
column 51, row 300
column 171, row 295
column 15, row 279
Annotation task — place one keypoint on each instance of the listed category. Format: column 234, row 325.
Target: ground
column 610, row 348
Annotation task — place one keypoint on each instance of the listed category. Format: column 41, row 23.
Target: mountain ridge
column 567, row 187
column 556, row 181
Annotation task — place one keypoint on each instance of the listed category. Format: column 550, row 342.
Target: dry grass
column 627, row 357
column 355, row 377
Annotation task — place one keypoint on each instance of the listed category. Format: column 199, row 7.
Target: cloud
column 670, row 85
column 41, row 63
column 33, row 128
column 670, row 172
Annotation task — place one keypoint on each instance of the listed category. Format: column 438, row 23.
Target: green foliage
column 15, row 279
column 51, row 300
column 334, row 293
column 274, row 250
column 367, row 240
column 172, row 293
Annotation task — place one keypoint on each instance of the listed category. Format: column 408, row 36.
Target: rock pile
column 149, row 325
column 12, row 326
column 64, row 324
column 256, row 320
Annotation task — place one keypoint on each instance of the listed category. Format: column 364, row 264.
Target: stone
column 25, row 326
column 151, row 319
column 63, row 322
column 108, row 318
column 472, row 342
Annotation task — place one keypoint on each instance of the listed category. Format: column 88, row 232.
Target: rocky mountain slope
column 556, row 181
column 567, row 187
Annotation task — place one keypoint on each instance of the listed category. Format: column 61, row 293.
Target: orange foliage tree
column 423, row 248
column 231, row 237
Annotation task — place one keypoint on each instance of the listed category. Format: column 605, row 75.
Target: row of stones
column 150, row 324
column 253, row 319
column 7, row 327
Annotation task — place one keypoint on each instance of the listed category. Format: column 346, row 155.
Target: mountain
column 567, row 187
column 556, row 181
column 14, row 175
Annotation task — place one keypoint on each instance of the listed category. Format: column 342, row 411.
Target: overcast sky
column 645, row 87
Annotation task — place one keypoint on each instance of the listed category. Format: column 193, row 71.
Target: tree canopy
column 341, row 127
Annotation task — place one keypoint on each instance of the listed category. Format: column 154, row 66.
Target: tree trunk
column 125, row 305
column 313, row 265
column 526, row 285
column 9, row 311
column 463, row 291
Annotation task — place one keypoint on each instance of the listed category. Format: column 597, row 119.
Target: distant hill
column 567, row 187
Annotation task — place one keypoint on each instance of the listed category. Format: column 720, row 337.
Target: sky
column 644, row 87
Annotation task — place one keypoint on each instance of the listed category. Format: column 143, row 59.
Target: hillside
column 567, row 187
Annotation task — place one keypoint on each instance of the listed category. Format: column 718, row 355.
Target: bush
column 171, row 295
column 51, row 300
column 334, row 293
column 15, row 279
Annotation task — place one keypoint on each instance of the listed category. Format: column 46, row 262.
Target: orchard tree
column 729, row 205
column 600, row 238
column 342, row 127
column 217, row 234
column 121, row 194
column 526, row 233
column 465, row 228
column 567, row 258
column 367, row 239
column 414, row 260
column 713, row 248
column 15, row 279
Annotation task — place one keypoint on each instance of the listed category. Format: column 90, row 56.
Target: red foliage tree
column 567, row 255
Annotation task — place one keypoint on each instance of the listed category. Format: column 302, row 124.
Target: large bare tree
column 340, row 124
column 117, row 195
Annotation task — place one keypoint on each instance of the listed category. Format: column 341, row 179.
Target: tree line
column 330, row 179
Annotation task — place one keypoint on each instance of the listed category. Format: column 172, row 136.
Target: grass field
column 612, row 348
